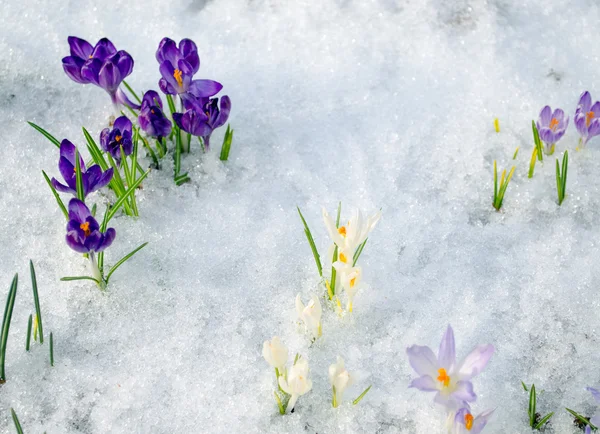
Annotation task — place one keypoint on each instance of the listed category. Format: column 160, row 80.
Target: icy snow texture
column 380, row 104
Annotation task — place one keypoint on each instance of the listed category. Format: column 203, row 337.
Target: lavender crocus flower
column 443, row 375
column 152, row 120
column 203, row 117
column 177, row 67
column 120, row 135
column 587, row 118
column 596, row 394
column 83, row 231
column 101, row 65
column 93, row 178
column 465, row 422
column 551, row 127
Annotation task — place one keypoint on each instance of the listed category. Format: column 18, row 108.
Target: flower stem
column 291, row 403
column 96, row 271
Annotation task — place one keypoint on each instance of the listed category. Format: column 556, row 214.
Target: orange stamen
column 178, row 76
column 443, row 377
column 588, row 118
column 85, row 227
column 343, row 258
column 342, row 231
column 352, row 282
column 468, row 421
column 554, row 124
column 118, row 138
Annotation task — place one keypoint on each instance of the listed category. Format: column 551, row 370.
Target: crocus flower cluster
column 587, row 118
column 348, row 238
column 451, row 381
column 294, row 382
column 101, row 65
column 152, row 120
column 551, row 127
column 120, row 136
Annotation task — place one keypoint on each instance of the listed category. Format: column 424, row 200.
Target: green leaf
column 8, row 310
column 95, row 151
column 565, row 166
column 120, row 185
column 544, row 420
column 16, row 421
column 495, row 185
column 359, row 250
column 71, row 278
column 151, row 152
column 333, row 272
column 524, row 387
column 59, row 201
column 279, row 404
column 537, row 141
column 36, row 300
column 112, row 211
column 46, row 134
column 226, row 147
column 362, row 395
column 51, row 349
column 339, row 213
column 532, row 163
column 311, row 242
column 532, row 405
column 78, row 175
column 178, row 150
column 171, row 107
column 582, row 419
column 122, row 260
column 131, row 91
column 516, row 153
column 29, row 324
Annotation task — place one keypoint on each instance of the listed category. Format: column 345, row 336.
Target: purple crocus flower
column 93, row 178
column 177, row 67
column 587, row 118
column 83, row 231
column 203, row 116
column 551, row 127
column 152, row 120
column 120, row 135
column 101, row 65
column 596, row 394
column 465, row 422
column 443, row 375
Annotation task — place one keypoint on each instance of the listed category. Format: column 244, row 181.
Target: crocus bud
column 275, row 353
column 297, row 382
column 310, row 314
column 340, row 379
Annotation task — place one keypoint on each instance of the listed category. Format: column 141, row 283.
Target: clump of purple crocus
column 203, row 116
column 152, row 119
column 551, row 127
column 466, row 423
column 442, row 374
column 596, row 394
column 587, row 118
column 93, row 178
column 120, row 135
column 178, row 64
column 101, row 65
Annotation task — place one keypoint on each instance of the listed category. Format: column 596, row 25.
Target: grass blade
column 333, row 272
column 544, row 420
column 524, row 387
column 532, row 163
column 358, row 252
column 565, row 166
column 79, row 177
column 537, row 141
column 51, row 350
column 29, row 324
column 311, row 242
column 495, row 184
column 558, row 183
column 16, row 421
column 8, row 310
column 279, row 404
column 112, row 211
column 95, row 151
column 131, row 91
column 36, row 299
column 59, row 201
column 581, row 419
column 362, row 395
column 516, row 153
column 532, row 405
column 226, row 144
column 122, row 260
column 71, row 278
column 46, row 134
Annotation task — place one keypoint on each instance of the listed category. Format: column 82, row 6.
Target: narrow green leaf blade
column 544, row 420
column 362, row 395
column 79, row 177
column 46, row 134
column 16, row 421
column 71, row 278
column 124, row 197
column 29, row 324
column 36, row 300
column 131, row 91
column 123, row 259
column 311, row 242
column 59, row 201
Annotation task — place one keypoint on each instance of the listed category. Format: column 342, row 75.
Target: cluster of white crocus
column 310, row 315
column 349, row 240
column 293, row 383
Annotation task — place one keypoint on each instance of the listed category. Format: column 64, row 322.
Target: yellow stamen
column 349, row 306
column 85, row 227
column 497, row 125
column 352, row 282
column 443, row 377
column 343, row 258
column 118, row 138
column 588, row 118
column 554, row 124
column 342, row 231
column 177, row 74
column 468, row 421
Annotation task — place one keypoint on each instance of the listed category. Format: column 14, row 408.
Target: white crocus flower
column 340, row 379
column 297, row 382
column 276, row 354
column 348, row 237
column 310, row 314
column 350, row 279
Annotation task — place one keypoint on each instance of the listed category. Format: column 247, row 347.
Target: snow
column 376, row 103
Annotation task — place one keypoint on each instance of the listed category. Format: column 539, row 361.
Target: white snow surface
column 380, row 104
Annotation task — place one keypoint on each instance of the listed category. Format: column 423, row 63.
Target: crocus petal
column 73, row 241
column 204, row 88
column 189, row 51
column 425, row 384
column 66, row 169
column 422, row 360
column 153, row 98
column 91, row 70
column 93, row 241
column 107, row 239
column 103, row 49
column 588, row 430
column 167, row 50
column 78, row 210
column 72, row 66
column 585, row 101
column 91, row 178
column 109, row 77
column 595, row 393
column 168, row 84
column 596, row 109
column 547, row 135
column 579, row 120
column 223, row 112
column 481, row 421
column 595, row 420
column 447, row 352
column 123, row 99
column 545, row 116
column 104, row 179
column 79, row 47
column 476, row 361
column 124, row 62
column 123, row 124
column 558, row 114
column 60, row 187
column 594, row 128
column 464, row 392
